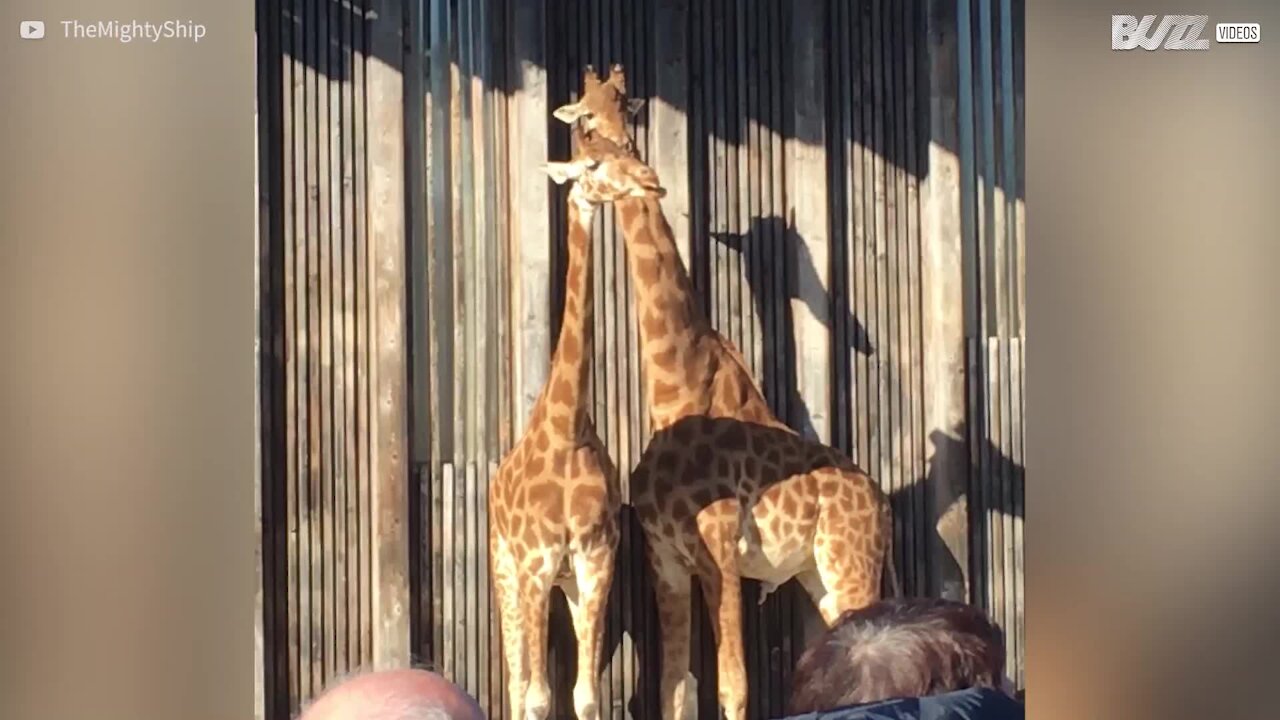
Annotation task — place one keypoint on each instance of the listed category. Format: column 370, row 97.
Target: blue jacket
column 971, row 704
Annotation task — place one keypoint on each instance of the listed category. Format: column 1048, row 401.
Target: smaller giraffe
column 554, row 501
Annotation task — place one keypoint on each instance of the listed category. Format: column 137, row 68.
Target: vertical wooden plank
column 350, row 396
column 417, row 312
column 530, row 230
column 807, row 209
column 753, row 118
column 290, row 114
column 994, row 165
column 1018, row 189
column 457, row 277
column 1008, row 165
column 719, row 186
column 1019, row 629
column 363, row 341
column 325, row 224
column 891, row 155
column 993, row 511
column 877, row 270
column 668, row 123
column 417, row 134
column 307, row 430
column 859, row 172
column 261, row 625
column 491, row 672
column 943, row 302
column 465, row 277
column 913, row 26
column 440, row 190
column 734, row 170
column 976, row 538
column 839, row 163
column 387, row 241
column 502, row 230
column 362, row 396
column 338, row 188
column 448, row 533
column 871, row 235
column 916, row 149
column 458, row 558
column 472, row 563
column 275, row 64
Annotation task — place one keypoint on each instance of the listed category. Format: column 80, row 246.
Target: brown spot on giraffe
column 665, row 360
column 733, row 437
column 654, row 325
column 704, row 457
column 664, row 393
column 562, row 391
column 710, row 391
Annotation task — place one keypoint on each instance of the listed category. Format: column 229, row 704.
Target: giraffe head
column 603, row 172
column 603, row 107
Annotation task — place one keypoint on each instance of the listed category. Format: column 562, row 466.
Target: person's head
column 899, row 648
column 394, row 695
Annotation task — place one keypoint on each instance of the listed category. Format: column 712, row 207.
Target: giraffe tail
column 890, row 569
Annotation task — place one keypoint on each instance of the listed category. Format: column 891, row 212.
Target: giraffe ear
column 634, row 105
column 562, row 172
column 569, row 113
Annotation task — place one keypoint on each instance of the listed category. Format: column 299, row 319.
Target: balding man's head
column 394, row 695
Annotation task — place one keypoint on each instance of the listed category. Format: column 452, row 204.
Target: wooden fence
column 845, row 182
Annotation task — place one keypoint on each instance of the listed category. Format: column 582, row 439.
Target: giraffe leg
column 723, row 595
column 673, row 586
column 506, row 584
column 811, row 581
column 588, row 594
column 849, row 552
column 535, row 586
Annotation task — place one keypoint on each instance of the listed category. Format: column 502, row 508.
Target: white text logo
column 1176, row 32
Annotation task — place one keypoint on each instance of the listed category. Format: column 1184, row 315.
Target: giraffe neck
column 689, row 370
column 565, row 400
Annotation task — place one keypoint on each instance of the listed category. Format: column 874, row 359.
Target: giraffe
column 554, row 500
column 725, row 490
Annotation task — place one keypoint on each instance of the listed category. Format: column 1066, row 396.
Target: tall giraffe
column 725, row 490
column 554, row 500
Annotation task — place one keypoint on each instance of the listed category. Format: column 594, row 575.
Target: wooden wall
column 333, row 498
column 845, row 181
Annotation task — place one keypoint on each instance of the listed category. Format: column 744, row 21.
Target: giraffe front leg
column 535, row 603
column 588, row 595
column 673, row 588
column 506, row 585
column 724, row 599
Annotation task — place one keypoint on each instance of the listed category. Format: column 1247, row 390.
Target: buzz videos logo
column 1176, row 32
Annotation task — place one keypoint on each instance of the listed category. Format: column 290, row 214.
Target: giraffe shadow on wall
column 995, row 492
column 777, row 264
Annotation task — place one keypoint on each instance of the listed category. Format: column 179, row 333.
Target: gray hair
column 899, row 648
